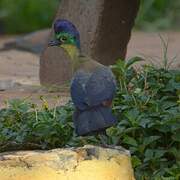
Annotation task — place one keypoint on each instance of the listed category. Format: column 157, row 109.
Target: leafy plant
column 14, row 15
column 149, row 119
column 24, row 126
column 147, row 106
column 158, row 15
column 19, row 16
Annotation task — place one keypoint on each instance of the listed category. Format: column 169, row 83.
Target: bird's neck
column 72, row 51
column 74, row 54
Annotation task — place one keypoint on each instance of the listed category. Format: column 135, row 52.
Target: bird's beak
column 54, row 43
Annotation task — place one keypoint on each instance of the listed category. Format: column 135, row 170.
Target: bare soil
column 150, row 46
column 22, row 68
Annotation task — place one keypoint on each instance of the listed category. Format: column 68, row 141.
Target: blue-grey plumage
column 93, row 120
column 101, row 86
column 89, row 91
column 93, row 86
column 78, row 90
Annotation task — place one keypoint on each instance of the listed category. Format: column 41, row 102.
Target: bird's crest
column 66, row 32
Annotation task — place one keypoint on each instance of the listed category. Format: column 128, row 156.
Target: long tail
column 93, row 120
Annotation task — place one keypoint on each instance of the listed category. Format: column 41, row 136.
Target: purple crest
column 62, row 25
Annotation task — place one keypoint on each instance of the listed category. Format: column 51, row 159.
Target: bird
column 93, row 85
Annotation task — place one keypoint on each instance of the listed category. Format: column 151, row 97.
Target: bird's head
column 65, row 35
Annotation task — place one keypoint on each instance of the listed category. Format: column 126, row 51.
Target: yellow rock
column 84, row 163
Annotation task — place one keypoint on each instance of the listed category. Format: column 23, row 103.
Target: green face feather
column 65, row 38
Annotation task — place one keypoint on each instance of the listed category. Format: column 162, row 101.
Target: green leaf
column 135, row 161
column 176, row 136
column 149, row 153
column 130, row 141
column 132, row 61
column 150, row 139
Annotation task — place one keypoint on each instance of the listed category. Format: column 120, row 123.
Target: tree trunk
column 105, row 28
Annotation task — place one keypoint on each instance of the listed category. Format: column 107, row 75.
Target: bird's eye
column 63, row 39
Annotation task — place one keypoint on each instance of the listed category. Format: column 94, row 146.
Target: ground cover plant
column 147, row 106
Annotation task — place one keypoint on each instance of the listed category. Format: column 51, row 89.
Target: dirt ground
column 21, row 68
column 150, row 45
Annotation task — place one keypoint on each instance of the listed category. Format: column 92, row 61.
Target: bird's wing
column 78, row 91
column 101, row 86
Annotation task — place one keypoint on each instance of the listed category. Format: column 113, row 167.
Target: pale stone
column 88, row 162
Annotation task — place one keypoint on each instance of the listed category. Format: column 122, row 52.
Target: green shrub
column 158, row 15
column 19, row 16
column 147, row 105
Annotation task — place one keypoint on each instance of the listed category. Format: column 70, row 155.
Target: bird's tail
column 93, row 120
